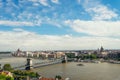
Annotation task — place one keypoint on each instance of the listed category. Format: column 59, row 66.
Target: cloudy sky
column 59, row 24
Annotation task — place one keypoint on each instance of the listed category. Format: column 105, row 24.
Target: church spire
column 101, row 49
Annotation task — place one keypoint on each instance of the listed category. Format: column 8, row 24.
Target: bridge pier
column 29, row 64
column 64, row 60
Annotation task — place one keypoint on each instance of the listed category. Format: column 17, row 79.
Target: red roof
column 46, row 78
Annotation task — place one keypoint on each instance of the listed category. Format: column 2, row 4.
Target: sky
column 59, row 24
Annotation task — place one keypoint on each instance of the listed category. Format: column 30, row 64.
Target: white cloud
column 79, row 1
column 96, row 28
column 54, row 22
column 36, row 4
column 38, row 20
column 10, row 3
column 43, row 2
column 15, row 23
column 18, row 29
column 10, row 7
column 18, row 38
column 1, row 4
column 55, row 1
column 102, row 13
column 99, row 11
column 27, row 17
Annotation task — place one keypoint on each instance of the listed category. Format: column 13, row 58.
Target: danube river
column 90, row 71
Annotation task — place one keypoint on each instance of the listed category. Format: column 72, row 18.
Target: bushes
column 25, row 73
column 18, row 74
column 7, row 67
column 4, row 77
column 58, row 77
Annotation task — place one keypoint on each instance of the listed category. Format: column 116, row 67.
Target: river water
column 90, row 71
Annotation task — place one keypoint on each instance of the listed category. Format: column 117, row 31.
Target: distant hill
column 5, row 52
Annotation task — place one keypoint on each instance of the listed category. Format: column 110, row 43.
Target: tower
column 29, row 64
column 101, row 49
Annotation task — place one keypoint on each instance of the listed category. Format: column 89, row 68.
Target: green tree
column 37, row 75
column 25, row 73
column 7, row 67
column 0, row 67
column 70, row 55
column 4, row 77
column 58, row 77
column 93, row 56
column 9, row 78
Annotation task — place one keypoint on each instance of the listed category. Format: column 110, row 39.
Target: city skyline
column 59, row 24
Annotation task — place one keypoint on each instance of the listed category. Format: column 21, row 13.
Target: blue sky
column 59, row 24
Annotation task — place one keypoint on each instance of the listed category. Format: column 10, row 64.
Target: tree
column 4, row 77
column 0, row 67
column 70, row 55
column 25, row 73
column 7, row 67
column 58, row 77
column 37, row 75
column 93, row 56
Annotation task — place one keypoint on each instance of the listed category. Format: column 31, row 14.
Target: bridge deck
column 41, row 64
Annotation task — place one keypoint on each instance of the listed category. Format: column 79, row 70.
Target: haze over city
column 59, row 24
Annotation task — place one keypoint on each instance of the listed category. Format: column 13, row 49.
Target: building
column 18, row 53
column 114, row 55
column 101, row 53
column 101, row 49
column 60, row 54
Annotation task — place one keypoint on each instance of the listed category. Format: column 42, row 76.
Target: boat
column 96, row 62
column 67, row 78
column 80, row 65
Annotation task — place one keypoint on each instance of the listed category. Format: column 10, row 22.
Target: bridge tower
column 64, row 60
column 29, row 64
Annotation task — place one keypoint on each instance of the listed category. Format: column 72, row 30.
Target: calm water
column 91, row 71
